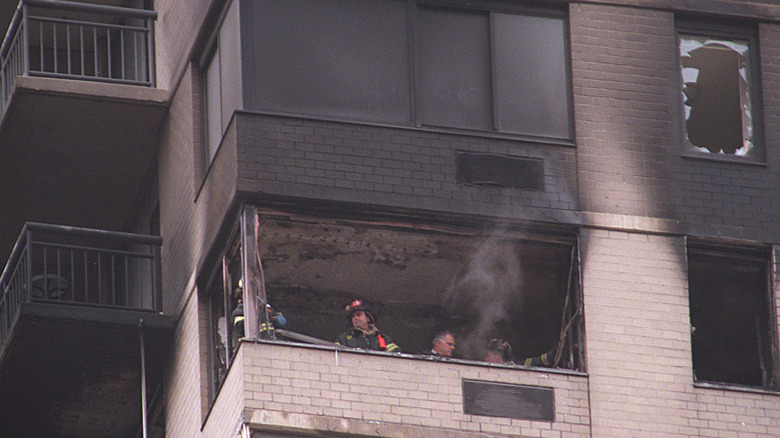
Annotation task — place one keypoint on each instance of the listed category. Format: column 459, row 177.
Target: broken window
column 731, row 315
column 719, row 92
column 422, row 279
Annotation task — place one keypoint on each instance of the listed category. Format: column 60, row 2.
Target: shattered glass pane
column 716, row 95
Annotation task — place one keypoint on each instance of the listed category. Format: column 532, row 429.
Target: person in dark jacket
column 363, row 332
column 544, row 360
column 267, row 329
column 499, row 351
column 443, row 345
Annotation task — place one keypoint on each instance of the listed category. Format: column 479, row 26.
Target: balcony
column 79, row 113
column 78, row 41
column 80, row 332
column 280, row 389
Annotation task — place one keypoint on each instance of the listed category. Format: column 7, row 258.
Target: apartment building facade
column 593, row 178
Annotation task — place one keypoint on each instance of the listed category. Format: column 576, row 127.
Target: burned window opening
column 731, row 316
column 222, row 301
column 521, row 288
column 717, row 94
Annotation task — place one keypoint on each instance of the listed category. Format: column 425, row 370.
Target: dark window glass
column 531, row 83
column 454, row 69
column 492, row 71
column 212, row 104
column 350, row 59
column 340, row 58
column 731, row 324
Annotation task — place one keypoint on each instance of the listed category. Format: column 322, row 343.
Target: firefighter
column 499, row 351
column 545, row 360
column 238, row 313
column 267, row 328
column 362, row 332
column 275, row 321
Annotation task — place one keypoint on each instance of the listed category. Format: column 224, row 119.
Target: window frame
column 491, row 9
column 570, row 332
column 211, row 60
column 717, row 29
column 413, row 114
column 767, row 350
column 219, row 288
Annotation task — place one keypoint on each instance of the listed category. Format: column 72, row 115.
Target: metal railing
column 79, row 266
column 70, row 40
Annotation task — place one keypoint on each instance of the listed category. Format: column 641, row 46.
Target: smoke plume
column 481, row 295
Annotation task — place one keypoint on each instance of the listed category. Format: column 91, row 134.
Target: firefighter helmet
column 502, row 348
column 356, row 305
column 238, row 293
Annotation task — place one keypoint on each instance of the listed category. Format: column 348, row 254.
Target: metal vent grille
column 508, row 400
column 500, row 170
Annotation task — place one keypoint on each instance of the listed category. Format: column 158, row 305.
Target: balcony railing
column 79, row 266
column 70, row 40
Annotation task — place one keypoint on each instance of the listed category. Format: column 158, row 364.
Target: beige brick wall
column 177, row 26
column 638, row 333
column 225, row 417
column 176, row 177
column 638, row 346
column 185, row 379
column 776, row 292
column 624, row 67
column 723, row 413
column 302, row 387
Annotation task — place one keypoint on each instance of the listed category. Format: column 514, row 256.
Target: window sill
column 735, row 387
column 499, row 135
column 722, row 158
column 420, row 357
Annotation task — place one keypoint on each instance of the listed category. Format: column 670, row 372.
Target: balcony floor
column 76, row 372
column 75, row 153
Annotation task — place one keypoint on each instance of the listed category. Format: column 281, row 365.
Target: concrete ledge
column 639, row 224
column 277, row 421
column 109, row 91
column 669, row 227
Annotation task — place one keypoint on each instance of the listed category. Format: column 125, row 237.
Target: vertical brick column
column 638, row 333
column 624, row 71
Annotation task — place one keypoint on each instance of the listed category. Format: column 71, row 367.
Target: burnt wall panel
column 625, row 110
column 394, row 167
column 630, row 121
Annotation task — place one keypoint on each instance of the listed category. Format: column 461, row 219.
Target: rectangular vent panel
column 499, row 170
column 508, row 400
